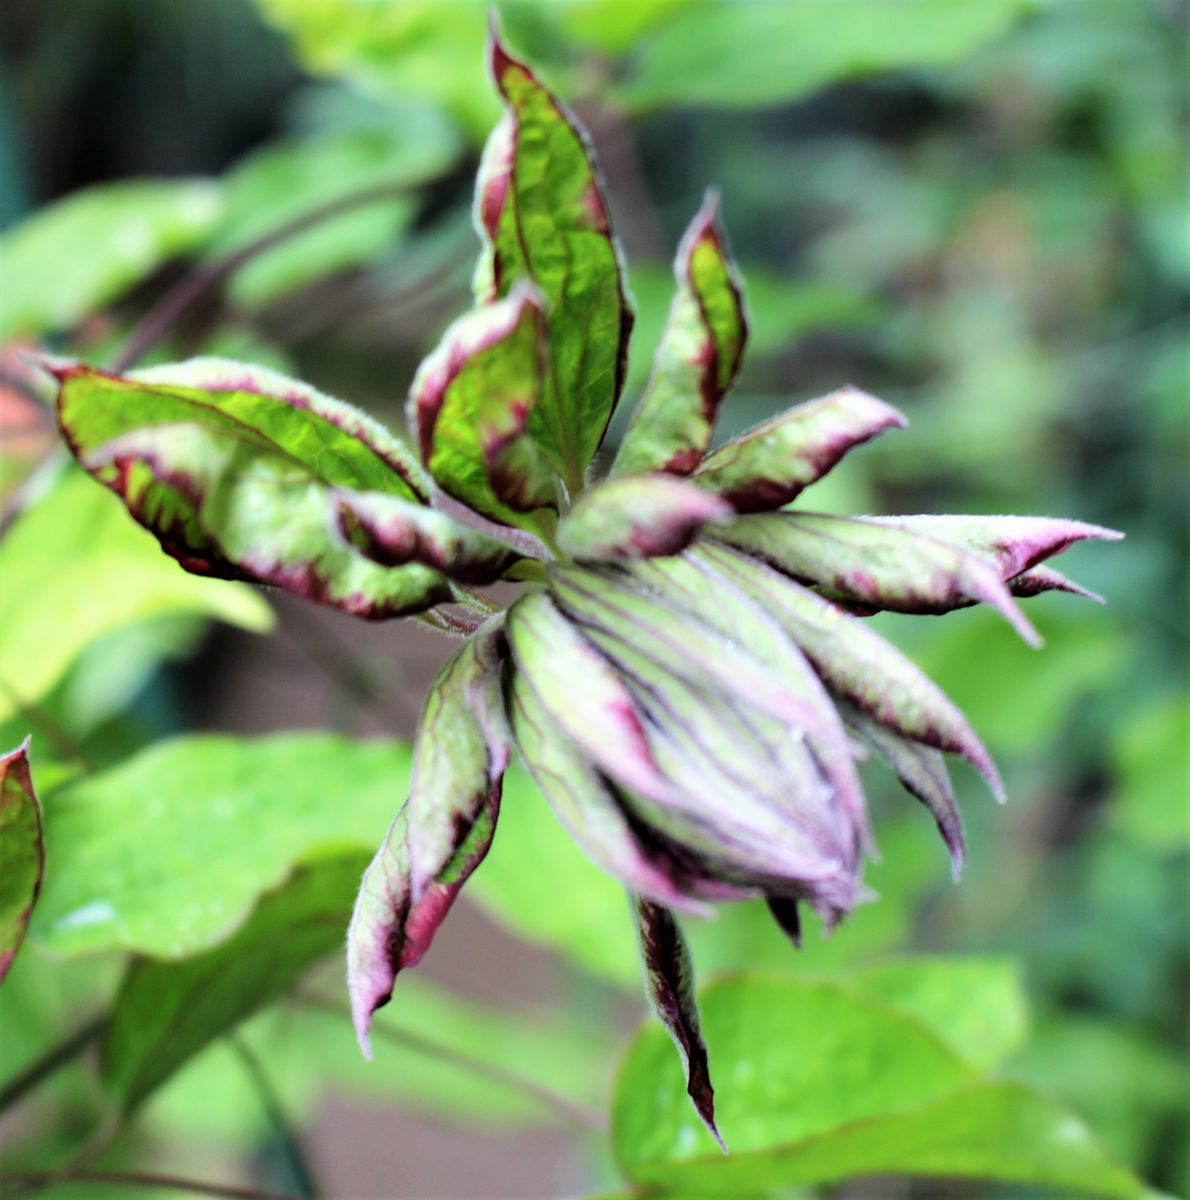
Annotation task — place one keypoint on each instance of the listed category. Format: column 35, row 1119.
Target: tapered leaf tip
column 499, row 60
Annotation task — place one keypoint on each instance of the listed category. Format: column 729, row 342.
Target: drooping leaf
column 70, row 258
column 225, row 820
column 696, row 361
column 76, row 541
column 540, row 207
column 771, row 464
column 471, row 406
column 440, row 835
column 165, row 1012
column 638, row 518
column 669, row 984
column 22, row 852
column 232, row 467
column 827, row 1085
column 872, row 563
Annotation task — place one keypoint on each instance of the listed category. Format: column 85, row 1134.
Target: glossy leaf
column 165, row 1012
column 669, row 984
column 540, row 207
column 22, row 852
column 77, row 541
column 226, row 819
column 872, row 563
column 637, row 518
column 770, row 465
column 696, row 361
column 442, row 832
column 472, row 402
column 72, row 257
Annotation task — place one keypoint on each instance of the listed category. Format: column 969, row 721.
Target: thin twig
column 52, row 1060
column 299, row 1167
column 165, row 314
column 17, row 1184
column 576, row 1114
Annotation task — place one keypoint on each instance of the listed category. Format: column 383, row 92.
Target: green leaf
column 166, row 854
column 540, row 205
column 1151, row 760
column 22, row 852
column 471, row 403
column 74, row 256
column 696, row 361
column 232, row 467
column 74, row 542
column 740, row 55
column 817, row 1084
column 977, row 1006
column 165, row 1012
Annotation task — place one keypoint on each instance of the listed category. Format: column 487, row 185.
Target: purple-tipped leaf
column 669, row 982
column 470, row 405
column 441, row 833
column 770, row 465
column 638, row 518
column 873, row 564
column 1040, row 579
column 540, row 209
column 696, row 361
column 22, row 852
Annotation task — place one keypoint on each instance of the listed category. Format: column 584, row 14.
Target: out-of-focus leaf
column 540, row 206
column 976, row 1006
column 78, row 542
column 165, row 1012
column 22, row 852
column 739, row 55
column 165, row 854
column 71, row 257
column 1151, row 758
column 818, row 1084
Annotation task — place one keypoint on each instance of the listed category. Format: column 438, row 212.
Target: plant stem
column 166, row 313
column 134, row 1179
column 299, row 1167
column 576, row 1114
column 53, row 1059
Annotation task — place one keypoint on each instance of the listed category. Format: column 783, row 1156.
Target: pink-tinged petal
column 669, row 983
column 22, row 852
column 638, row 518
column 770, row 465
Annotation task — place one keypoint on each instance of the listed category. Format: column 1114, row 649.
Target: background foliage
column 975, row 210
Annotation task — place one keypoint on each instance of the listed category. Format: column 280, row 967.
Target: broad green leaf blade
column 77, row 541
column 72, row 257
column 226, row 820
column 827, row 1085
column 696, row 361
column 22, row 852
column 393, row 532
column 442, row 832
column 874, row 565
column 669, row 984
column 976, row 1005
column 637, row 518
column 771, row 464
column 541, row 209
column 166, row 1012
column 471, row 404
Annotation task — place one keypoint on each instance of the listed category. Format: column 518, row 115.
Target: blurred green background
column 975, row 209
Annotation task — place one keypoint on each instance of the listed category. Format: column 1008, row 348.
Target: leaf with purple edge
column 769, row 466
column 540, row 208
column 470, row 405
column 638, row 518
column 871, row 563
column 440, row 835
column 22, row 852
column 669, row 984
column 696, row 361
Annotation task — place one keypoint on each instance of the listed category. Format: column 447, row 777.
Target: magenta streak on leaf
column 669, row 982
column 1040, row 579
column 705, row 228
column 22, row 852
column 784, row 911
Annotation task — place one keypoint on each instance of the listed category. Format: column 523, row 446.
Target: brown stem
column 52, row 1060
